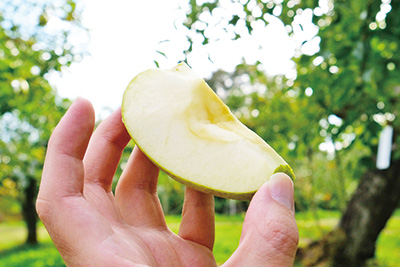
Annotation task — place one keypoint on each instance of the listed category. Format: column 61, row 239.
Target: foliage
column 10, row 208
column 29, row 52
column 328, row 115
column 171, row 194
column 325, row 119
column 35, row 41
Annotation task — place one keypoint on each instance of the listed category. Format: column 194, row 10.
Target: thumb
column 269, row 235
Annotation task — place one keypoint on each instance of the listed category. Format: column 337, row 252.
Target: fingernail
column 281, row 188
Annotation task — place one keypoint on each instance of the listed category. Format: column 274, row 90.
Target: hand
column 92, row 227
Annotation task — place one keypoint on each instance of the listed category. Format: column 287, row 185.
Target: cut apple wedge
column 184, row 128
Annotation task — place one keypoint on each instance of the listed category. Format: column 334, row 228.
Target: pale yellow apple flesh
column 178, row 121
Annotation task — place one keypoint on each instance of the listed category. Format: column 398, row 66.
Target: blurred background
column 319, row 80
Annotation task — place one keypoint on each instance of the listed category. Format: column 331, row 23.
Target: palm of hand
column 113, row 241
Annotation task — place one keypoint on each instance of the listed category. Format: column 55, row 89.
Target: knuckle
column 40, row 208
column 43, row 208
column 282, row 237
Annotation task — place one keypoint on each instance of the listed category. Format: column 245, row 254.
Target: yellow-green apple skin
column 185, row 129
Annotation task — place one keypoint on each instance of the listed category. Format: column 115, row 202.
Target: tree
column 369, row 72
column 345, row 92
column 35, row 40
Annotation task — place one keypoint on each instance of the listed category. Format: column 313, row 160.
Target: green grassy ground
column 228, row 229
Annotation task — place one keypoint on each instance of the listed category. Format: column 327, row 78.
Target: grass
column 228, row 230
column 42, row 255
column 227, row 234
column 388, row 248
column 12, row 253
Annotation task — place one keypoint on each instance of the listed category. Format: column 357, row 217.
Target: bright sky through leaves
column 126, row 35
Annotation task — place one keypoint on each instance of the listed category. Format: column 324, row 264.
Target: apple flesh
column 184, row 128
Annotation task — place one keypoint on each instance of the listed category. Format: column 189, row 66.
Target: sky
column 125, row 35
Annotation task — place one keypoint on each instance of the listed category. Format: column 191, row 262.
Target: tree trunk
column 371, row 206
column 29, row 211
column 353, row 242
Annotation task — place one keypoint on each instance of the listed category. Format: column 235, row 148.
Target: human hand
column 92, row 227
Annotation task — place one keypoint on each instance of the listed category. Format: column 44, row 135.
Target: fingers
column 198, row 223
column 136, row 192
column 269, row 235
column 63, row 169
column 104, row 151
column 60, row 204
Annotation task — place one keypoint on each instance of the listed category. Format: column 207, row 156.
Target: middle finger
column 136, row 192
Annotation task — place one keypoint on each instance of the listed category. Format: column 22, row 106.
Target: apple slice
column 178, row 121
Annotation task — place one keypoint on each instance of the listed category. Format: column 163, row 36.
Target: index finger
column 63, row 169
